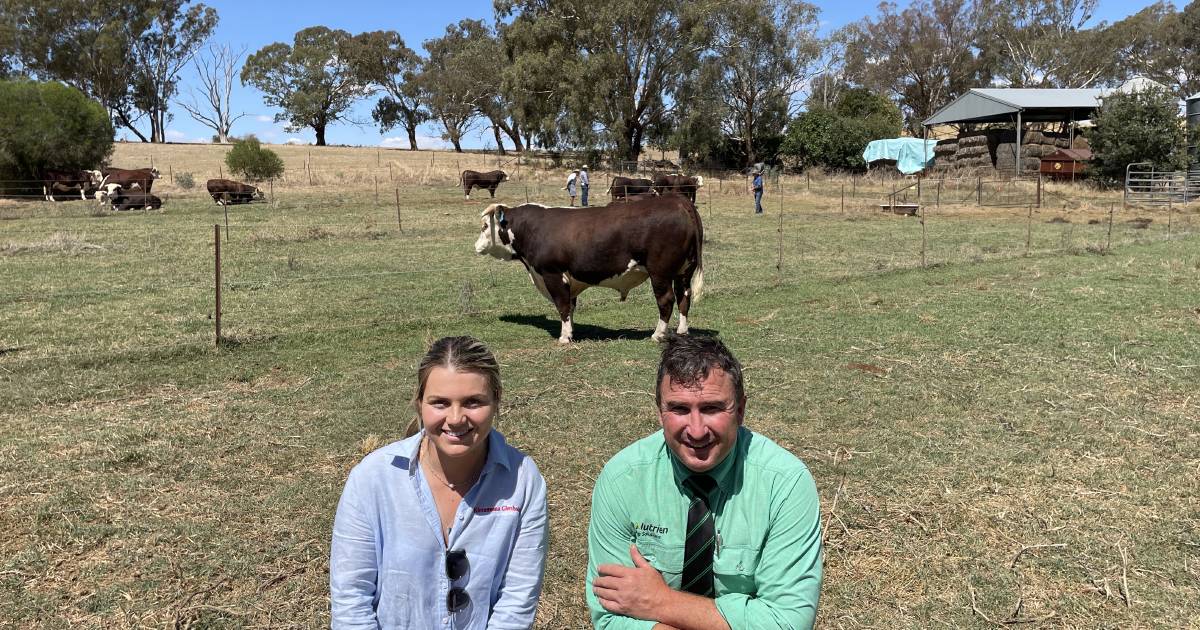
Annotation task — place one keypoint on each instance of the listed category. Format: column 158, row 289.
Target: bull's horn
column 490, row 210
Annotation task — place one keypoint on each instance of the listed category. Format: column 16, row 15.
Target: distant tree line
column 719, row 80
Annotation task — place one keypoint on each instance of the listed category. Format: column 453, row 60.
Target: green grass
column 952, row 415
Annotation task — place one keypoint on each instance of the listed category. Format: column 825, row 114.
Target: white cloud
column 295, row 141
column 173, row 134
column 264, row 118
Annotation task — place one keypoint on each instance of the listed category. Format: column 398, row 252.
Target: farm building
column 998, row 148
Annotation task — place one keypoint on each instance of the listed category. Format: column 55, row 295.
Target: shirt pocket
column 734, row 569
column 666, row 558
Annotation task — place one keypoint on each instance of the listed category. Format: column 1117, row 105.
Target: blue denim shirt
column 387, row 565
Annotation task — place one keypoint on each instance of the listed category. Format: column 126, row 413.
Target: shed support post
column 1018, row 169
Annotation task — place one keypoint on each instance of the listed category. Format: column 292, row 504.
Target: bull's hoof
column 658, row 336
column 564, row 340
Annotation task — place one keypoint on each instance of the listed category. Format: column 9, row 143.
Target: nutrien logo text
column 498, row 508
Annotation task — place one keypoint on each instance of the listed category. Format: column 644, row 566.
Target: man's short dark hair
column 688, row 359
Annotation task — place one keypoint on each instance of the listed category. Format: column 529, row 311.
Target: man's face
column 701, row 422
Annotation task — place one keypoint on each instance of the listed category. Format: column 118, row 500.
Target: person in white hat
column 570, row 187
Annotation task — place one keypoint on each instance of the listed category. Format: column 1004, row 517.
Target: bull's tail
column 697, row 285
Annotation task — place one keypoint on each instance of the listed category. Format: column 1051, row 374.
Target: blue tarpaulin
column 910, row 154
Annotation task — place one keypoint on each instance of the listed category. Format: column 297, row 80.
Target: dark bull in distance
column 488, row 181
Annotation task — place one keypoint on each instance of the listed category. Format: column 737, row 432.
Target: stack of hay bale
column 973, row 150
column 944, row 152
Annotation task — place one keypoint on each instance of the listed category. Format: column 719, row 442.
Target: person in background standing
column 583, row 186
column 570, row 187
column 756, row 186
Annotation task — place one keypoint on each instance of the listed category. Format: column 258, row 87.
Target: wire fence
column 270, row 292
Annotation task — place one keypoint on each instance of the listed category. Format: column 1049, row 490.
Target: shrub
column 835, row 137
column 49, row 126
column 252, row 161
column 185, row 181
column 1138, row 127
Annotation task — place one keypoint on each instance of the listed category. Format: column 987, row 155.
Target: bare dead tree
column 216, row 69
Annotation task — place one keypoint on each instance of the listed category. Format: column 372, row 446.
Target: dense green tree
column 312, row 80
column 835, row 136
column 1138, row 127
column 50, row 125
column 127, row 55
column 381, row 58
column 540, row 70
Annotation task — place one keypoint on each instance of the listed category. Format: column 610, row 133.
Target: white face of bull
column 490, row 241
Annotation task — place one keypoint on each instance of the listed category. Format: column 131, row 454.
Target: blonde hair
column 460, row 354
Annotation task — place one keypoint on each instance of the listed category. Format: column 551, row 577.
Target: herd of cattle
column 650, row 230
column 129, row 189
column 620, row 188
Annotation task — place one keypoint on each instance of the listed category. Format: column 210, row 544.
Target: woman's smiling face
column 457, row 410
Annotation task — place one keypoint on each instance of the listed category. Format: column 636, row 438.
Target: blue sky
column 254, row 24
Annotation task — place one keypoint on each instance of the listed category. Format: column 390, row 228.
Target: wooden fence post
column 979, row 190
column 217, row 282
column 937, row 199
column 1111, row 210
column 924, row 237
column 1028, row 230
column 843, row 197
column 1170, row 216
column 399, row 221
column 779, row 263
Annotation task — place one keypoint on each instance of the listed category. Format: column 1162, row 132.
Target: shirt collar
column 410, row 448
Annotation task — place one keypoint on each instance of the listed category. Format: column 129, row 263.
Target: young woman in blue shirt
column 446, row 528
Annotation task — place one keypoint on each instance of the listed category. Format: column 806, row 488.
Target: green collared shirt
column 767, row 563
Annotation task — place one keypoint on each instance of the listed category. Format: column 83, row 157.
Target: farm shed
column 1018, row 106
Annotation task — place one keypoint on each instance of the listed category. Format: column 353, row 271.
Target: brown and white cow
column 127, row 178
column 619, row 246
column 623, row 186
column 484, row 181
column 66, row 181
column 676, row 183
column 230, row 192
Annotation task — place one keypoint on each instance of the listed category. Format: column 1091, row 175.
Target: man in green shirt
column 704, row 524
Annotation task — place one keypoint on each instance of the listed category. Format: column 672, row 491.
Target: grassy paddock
column 996, row 437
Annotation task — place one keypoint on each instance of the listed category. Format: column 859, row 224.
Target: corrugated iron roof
column 1002, row 104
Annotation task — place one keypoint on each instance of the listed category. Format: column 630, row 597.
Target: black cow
column 60, row 181
column 622, row 186
column 229, row 192
column 619, row 246
column 122, row 200
column 484, row 181
column 676, row 183
column 126, row 178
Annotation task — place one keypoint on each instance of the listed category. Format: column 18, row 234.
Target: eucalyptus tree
column 922, row 56
column 449, row 78
column 1164, row 45
column 311, row 81
column 381, row 58
column 622, row 61
column 766, row 50
column 216, row 70
column 1048, row 44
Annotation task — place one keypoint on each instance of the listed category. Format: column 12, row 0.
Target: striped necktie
column 701, row 538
